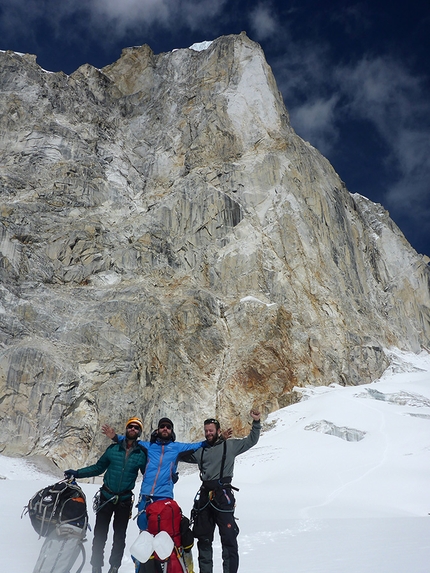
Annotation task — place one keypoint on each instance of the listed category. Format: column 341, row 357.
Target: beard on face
column 131, row 434
column 212, row 439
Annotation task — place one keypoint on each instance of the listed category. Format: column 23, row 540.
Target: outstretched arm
column 95, row 470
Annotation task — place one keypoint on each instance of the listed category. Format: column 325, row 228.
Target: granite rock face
column 169, row 246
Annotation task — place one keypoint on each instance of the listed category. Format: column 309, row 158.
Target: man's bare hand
column 108, row 431
column 226, row 434
column 255, row 415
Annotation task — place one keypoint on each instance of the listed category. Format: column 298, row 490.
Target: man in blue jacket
column 161, row 470
column 121, row 462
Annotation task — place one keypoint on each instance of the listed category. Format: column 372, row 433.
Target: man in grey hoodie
column 214, row 503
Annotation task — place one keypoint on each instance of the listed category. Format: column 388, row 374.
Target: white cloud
column 128, row 14
column 385, row 92
column 315, row 121
column 110, row 19
column 195, row 13
column 132, row 14
column 382, row 91
column 263, row 21
column 412, row 149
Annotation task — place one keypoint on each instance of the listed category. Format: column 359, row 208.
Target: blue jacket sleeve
column 190, row 447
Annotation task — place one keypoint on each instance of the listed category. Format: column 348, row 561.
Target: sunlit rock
column 169, row 246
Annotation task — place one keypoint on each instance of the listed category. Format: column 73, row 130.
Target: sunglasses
column 133, row 427
column 168, row 426
column 211, row 421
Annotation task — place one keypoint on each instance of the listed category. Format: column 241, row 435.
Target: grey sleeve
column 241, row 446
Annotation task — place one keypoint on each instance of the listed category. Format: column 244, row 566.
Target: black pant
column 216, row 508
column 121, row 515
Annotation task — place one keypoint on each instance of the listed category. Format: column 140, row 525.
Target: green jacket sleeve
column 97, row 469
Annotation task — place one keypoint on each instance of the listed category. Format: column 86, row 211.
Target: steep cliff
column 169, row 246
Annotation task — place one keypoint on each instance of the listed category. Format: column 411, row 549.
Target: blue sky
column 355, row 76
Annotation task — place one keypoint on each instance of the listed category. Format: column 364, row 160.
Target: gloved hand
column 69, row 474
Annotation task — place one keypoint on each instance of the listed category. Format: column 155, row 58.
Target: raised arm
column 226, row 434
column 108, row 431
column 242, row 445
column 255, row 415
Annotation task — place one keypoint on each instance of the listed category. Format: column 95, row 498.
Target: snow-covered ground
column 340, row 483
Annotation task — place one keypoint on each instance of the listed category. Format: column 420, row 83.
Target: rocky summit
column 170, row 247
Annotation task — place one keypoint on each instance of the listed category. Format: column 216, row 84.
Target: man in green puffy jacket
column 122, row 463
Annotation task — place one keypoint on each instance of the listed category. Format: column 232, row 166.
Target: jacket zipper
column 158, row 470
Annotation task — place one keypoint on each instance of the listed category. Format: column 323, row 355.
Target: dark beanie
column 165, row 421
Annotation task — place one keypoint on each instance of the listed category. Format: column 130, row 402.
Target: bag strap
column 40, row 505
column 224, row 455
column 84, row 556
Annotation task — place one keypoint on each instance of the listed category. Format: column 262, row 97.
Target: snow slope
column 339, row 483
